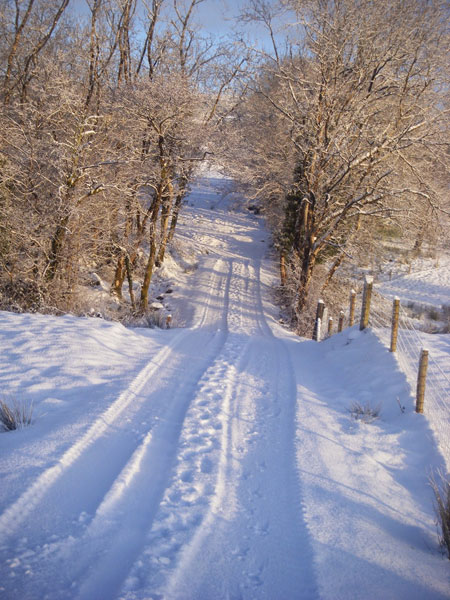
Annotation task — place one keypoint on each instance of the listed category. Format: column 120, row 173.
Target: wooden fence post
column 367, row 295
column 317, row 324
column 351, row 318
column 319, row 330
column 168, row 321
column 394, row 329
column 421, row 379
column 330, row 325
column 341, row 321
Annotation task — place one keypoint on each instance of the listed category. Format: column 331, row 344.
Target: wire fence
column 410, row 343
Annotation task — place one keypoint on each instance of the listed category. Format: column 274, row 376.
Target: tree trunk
column 175, row 213
column 283, row 273
column 308, row 263
column 57, row 244
column 304, row 245
column 418, row 243
column 340, row 259
column 130, row 281
column 152, row 255
column 334, row 267
column 149, row 268
column 165, row 215
column 120, row 272
column 119, row 277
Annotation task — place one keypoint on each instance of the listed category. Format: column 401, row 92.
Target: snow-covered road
column 210, row 462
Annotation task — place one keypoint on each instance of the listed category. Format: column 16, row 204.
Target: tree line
column 346, row 131
column 105, row 118
column 337, row 123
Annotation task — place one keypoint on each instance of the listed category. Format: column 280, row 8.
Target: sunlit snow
column 218, row 459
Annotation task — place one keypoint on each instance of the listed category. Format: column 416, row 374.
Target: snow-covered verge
column 217, row 460
column 428, row 283
column 366, row 493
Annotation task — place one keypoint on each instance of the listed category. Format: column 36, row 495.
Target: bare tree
column 102, row 130
column 153, row 49
column 32, row 28
column 358, row 104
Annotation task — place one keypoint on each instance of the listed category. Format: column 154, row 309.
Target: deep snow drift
column 217, row 460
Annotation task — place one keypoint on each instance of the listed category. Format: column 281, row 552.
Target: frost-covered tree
column 353, row 119
column 105, row 121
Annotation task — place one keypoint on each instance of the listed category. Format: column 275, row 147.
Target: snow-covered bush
column 446, row 317
column 158, row 319
column 154, row 319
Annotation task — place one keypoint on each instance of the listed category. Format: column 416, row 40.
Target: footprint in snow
column 186, row 476
column 261, row 529
column 240, row 553
column 206, row 465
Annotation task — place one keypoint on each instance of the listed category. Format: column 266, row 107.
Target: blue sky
column 218, row 17
column 215, row 15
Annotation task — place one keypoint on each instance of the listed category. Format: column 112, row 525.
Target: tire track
column 124, row 505
column 193, row 449
column 195, row 472
column 13, row 516
column 106, row 427
column 285, row 390
column 257, row 499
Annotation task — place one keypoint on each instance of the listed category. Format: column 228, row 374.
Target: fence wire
column 410, row 342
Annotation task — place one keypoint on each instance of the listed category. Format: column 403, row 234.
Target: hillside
column 219, row 458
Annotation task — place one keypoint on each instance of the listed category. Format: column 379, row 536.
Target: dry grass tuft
column 15, row 414
column 364, row 412
column 441, row 488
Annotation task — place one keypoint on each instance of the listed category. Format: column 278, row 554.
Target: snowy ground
column 427, row 284
column 217, row 460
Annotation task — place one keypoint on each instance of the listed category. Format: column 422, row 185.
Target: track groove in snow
column 215, row 487
column 228, row 466
column 11, row 519
column 103, row 440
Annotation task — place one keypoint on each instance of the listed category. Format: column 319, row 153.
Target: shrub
column 416, row 311
column 15, row 414
column 364, row 412
column 446, row 316
column 21, row 296
column 159, row 319
column 433, row 314
column 441, row 489
column 446, row 311
column 153, row 319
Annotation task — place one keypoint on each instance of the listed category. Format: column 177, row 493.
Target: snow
column 219, row 459
column 427, row 284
